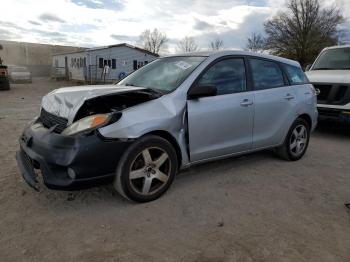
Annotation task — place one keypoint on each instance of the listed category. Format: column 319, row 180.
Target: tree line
column 156, row 41
column 299, row 33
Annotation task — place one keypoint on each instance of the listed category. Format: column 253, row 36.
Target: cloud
column 107, row 22
column 126, row 38
column 47, row 17
column 34, row 22
column 7, row 34
column 235, row 38
column 10, row 25
column 201, row 25
column 100, row 4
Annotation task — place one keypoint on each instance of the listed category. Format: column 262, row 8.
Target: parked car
column 4, row 79
column 330, row 73
column 175, row 112
column 19, row 74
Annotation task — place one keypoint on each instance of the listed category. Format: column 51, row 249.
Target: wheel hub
column 298, row 140
column 155, row 171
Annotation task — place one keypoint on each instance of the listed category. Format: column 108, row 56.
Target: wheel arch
column 307, row 118
column 172, row 140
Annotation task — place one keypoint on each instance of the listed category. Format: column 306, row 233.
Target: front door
column 221, row 125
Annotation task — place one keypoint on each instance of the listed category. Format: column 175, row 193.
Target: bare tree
column 217, row 44
column 187, row 44
column 256, row 43
column 153, row 41
column 303, row 30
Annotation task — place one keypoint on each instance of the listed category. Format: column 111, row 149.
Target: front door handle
column 289, row 97
column 246, row 102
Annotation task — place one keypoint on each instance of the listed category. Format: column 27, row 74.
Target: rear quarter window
column 266, row 74
column 296, row 75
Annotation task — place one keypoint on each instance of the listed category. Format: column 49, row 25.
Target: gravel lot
column 251, row 208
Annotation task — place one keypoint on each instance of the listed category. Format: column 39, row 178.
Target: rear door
column 275, row 103
column 221, row 124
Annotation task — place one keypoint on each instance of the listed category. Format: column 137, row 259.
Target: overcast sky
column 91, row 23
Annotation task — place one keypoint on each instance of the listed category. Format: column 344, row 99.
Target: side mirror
column 201, row 91
column 307, row 68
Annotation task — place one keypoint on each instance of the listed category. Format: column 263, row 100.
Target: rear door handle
column 246, row 102
column 289, row 97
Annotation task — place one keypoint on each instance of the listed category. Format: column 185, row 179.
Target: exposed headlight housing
column 89, row 123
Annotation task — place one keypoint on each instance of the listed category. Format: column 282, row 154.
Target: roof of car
column 218, row 54
column 337, row 46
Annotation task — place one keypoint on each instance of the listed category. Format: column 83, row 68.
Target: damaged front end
column 79, row 110
column 64, row 142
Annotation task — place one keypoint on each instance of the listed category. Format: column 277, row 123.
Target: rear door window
column 228, row 76
column 296, row 75
column 266, row 74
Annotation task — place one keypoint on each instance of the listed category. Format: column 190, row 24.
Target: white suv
column 330, row 73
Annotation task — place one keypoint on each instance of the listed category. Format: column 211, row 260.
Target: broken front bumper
column 67, row 162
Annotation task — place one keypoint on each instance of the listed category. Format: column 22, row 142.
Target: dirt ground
column 251, row 208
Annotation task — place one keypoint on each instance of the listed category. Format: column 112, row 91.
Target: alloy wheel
column 298, row 140
column 150, row 171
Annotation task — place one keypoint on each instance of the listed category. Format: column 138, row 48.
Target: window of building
column 114, row 63
column 109, row 62
column 135, row 65
column 100, row 62
column 266, row 74
column 228, row 76
column 140, row 64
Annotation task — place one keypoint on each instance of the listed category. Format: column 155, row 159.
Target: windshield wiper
column 154, row 91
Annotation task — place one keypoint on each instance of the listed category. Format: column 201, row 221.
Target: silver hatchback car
column 173, row 113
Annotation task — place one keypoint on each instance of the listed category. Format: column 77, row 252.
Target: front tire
column 146, row 169
column 296, row 142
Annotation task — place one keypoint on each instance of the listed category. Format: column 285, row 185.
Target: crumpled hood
column 65, row 102
column 329, row 76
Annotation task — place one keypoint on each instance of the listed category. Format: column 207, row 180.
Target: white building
column 103, row 64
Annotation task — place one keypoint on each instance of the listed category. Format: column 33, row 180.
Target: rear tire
column 296, row 142
column 146, row 169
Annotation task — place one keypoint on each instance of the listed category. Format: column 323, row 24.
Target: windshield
column 164, row 74
column 333, row 59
